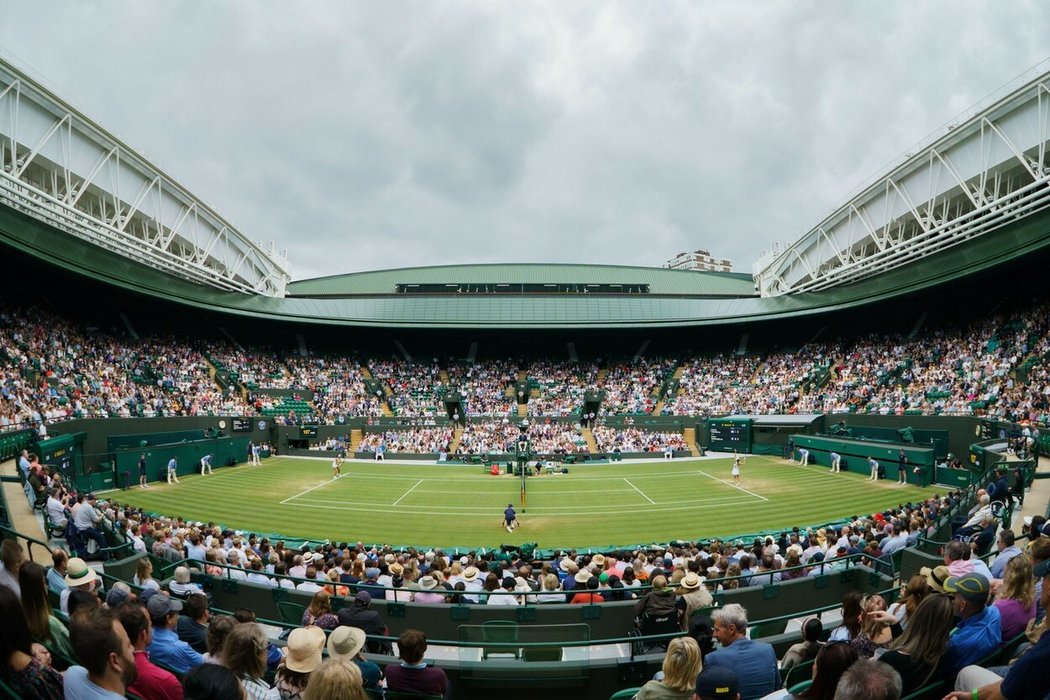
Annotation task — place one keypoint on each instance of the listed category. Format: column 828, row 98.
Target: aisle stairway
column 588, row 436
column 23, row 519
column 457, row 435
column 689, row 434
column 356, row 435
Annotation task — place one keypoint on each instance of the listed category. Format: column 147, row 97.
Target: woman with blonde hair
column 874, row 632
column 682, row 665
column 320, row 612
column 912, row 594
column 551, row 590
column 334, row 587
column 1016, row 597
column 336, row 680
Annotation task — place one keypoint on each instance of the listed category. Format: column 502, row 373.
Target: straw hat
column 521, row 585
column 598, row 560
column 582, row 576
column 936, row 577
column 344, row 642
column 427, row 583
column 304, row 649
column 690, row 581
column 79, row 573
column 470, row 573
column 396, row 569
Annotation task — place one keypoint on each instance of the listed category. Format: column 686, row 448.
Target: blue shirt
column 171, row 465
column 755, row 664
column 77, row 686
column 171, row 652
column 998, row 565
column 56, row 582
column 975, row 638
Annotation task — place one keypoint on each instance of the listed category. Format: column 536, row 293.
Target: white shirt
column 86, row 517
column 503, row 599
column 56, row 511
column 308, row 587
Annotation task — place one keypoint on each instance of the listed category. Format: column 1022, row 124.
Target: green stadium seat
column 625, row 694
column 799, row 673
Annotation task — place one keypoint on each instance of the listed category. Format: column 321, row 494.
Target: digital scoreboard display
column 241, row 425
column 308, row 431
column 728, row 435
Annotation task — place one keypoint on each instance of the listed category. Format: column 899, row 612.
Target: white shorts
column 736, row 471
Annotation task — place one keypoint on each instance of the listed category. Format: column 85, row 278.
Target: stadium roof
column 658, row 280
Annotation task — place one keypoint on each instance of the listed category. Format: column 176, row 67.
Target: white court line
column 323, row 483
column 406, row 493
column 489, row 511
column 738, row 488
column 639, row 491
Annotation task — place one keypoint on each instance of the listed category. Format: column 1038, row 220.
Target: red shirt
column 586, row 599
column 153, row 682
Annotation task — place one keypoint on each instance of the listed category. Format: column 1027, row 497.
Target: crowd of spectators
column 338, row 386
column 420, row 440
column 562, row 386
column 487, row 388
column 631, row 439
column 913, row 637
column 50, row 370
column 255, row 368
column 416, row 387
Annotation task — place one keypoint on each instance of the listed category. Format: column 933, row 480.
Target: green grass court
column 444, row 505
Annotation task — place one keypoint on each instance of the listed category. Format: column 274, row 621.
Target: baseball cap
column 161, row 605
column 716, row 682
column 973, row 587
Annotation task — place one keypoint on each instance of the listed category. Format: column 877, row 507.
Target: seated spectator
column 717, row 683
column 912, row 594
column 658, row 602
column 361, row 615
column 245, row 654
column 831, row 662
column 302, row 658
column 875, row 631
column 43, row 625
column 806, row 649
column 346, row 644
column 755, row 662
column 429, row 591
column 868, row 679
column 413, row 675
column 979, row 633
column 166, row 648
column 192, row 627
column 1016, row 598
column 18, row 667
column 692, row 595
column 319, row 613
column 211, row 682
column 151, row 681
column 11, row 558
column 218, row 630
column 105, row 651
column 336, row 680
column 589, row 595
column 1026, row 678
column 56, row 575
column 181, row 586
column 680, row 668
column 79, row 578
column 918, row 653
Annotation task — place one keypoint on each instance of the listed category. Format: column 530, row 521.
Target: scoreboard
column 728, row 434
column 241, row 425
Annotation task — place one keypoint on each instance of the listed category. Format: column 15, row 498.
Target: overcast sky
column 389, row 134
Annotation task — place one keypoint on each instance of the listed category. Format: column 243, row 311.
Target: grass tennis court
column 446, row 505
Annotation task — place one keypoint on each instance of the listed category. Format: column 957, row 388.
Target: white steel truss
column 58, row 166
column 983, row 172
